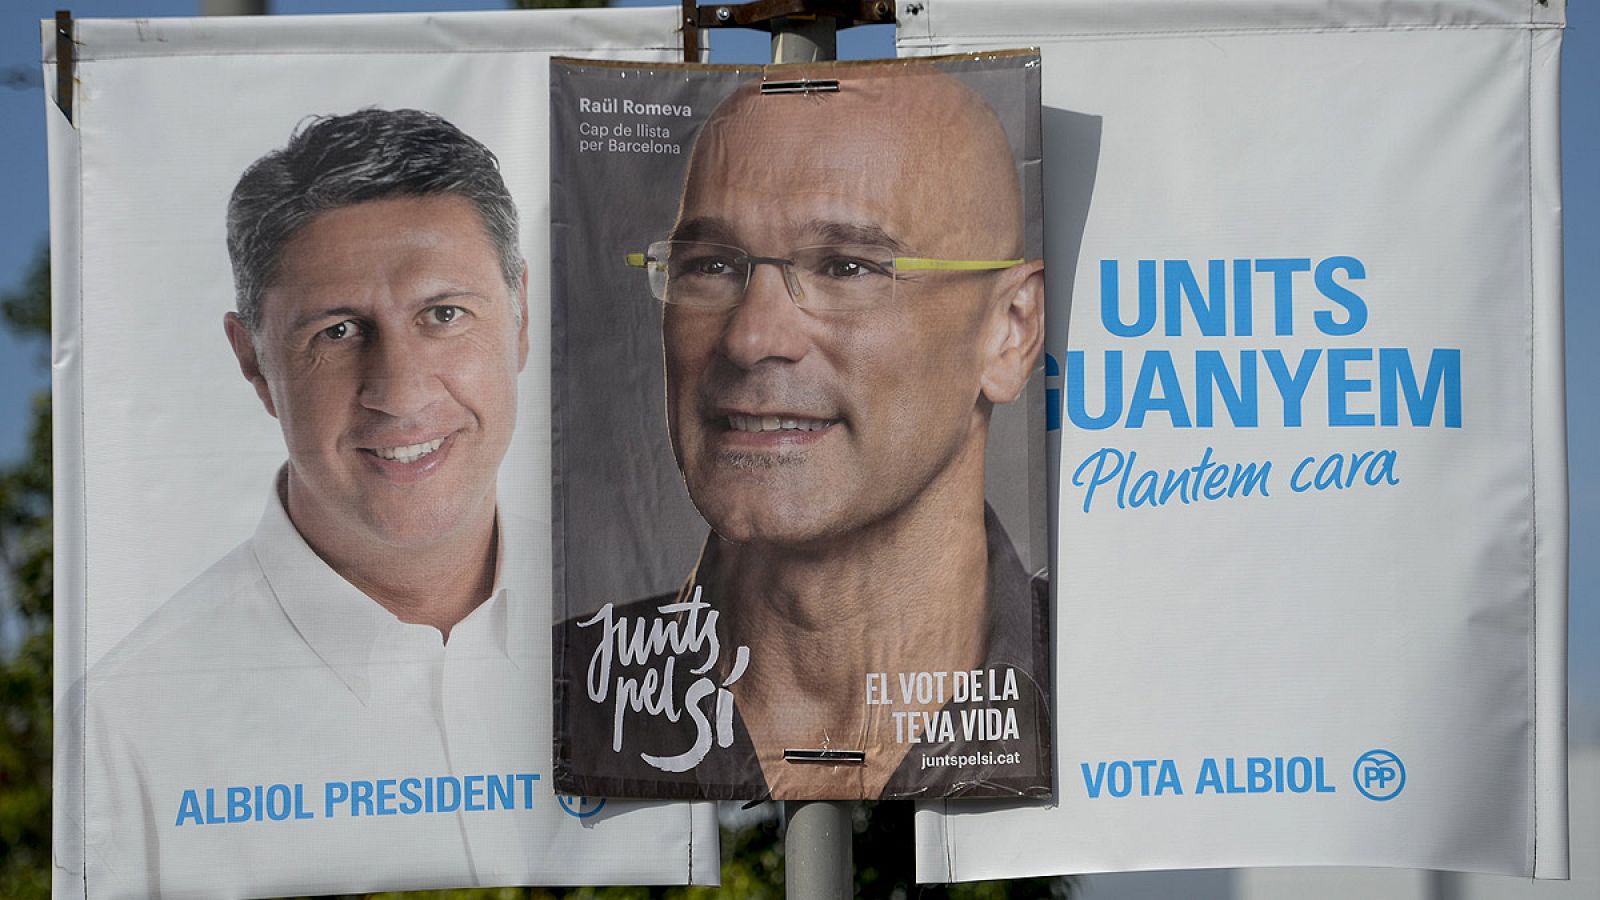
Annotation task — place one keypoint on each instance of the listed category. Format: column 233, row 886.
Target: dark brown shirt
column 586, row 763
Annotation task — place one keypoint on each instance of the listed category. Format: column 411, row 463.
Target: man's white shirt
column 270, row 669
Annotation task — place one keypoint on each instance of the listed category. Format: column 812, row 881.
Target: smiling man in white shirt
column 386, row 334
column 346, row 698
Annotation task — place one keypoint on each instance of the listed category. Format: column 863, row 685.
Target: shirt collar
column 510, row 605
column 1013, row 624
column 1016, row 634
column 1015, row 628
column 342, row 625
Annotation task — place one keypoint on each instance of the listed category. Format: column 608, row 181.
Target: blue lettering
column 410, row 802
column 1101, row 476
column 1144, row 490
column 1177, row 482
column 1292, row 388
column 279, row 803
column 1323, row 787
column 1328, row 472
column 1144, row 766
column 1243, row 292
column 1093, row 783
column 238, row 804
column 1340, row 386
column 333, row 794
column 360, row 798
column 474, row 793
column 1052, row 395
column 1233, row 786
column 1110, row 305
column 1340, row 472
column 1260, row 769
column 1295, row 484
column 526, row 779
column 1299, row 775
column 1211, row 377
column 1355, row 307
column 1157, row 367
column 1211, row 314
column 1395, row 374
column 1283, row 289
column 1382, row 468
column 1249, row 478
column 1216, row 483
column 1200, row 471
column 1126, row 772
column 500, row 792
column 385, row 797
column 1206, row 479
column 1167, row 779
column 449, row 800
column 1077, row 409
column 189, row 808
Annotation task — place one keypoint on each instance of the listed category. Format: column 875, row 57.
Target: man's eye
column 708, row 266
column 444, row 315
column 340, row 331
column 849, row 267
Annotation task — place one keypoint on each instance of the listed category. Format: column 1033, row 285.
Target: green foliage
column 752, row 866
column 26, row 308
column 25, row 586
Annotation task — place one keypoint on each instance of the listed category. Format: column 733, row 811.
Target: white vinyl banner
column 1305, row 363
column 302, row 430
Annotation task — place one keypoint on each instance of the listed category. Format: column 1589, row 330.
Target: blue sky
column 24, row 225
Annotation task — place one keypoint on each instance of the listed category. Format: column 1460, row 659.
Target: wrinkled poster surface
column 798, row 419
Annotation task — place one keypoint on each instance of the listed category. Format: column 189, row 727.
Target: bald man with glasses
column 845, row 300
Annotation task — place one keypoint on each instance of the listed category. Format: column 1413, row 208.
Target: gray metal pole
column 805, row 40
column 817, row 855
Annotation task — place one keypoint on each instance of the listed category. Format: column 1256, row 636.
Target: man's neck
column 437, row 586
column 905, row 596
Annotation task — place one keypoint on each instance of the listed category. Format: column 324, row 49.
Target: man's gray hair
column 332, row 162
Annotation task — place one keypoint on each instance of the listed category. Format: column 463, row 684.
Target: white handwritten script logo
column 655, row 644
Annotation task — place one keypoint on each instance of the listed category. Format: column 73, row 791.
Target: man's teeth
column 775, row 423
column 410, row 453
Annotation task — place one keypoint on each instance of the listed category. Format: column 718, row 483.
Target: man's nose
column 398, row 376
column 767, row 324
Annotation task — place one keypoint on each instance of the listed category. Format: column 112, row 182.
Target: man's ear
column 1015, row 333
column 522, row 318
column 244, row 350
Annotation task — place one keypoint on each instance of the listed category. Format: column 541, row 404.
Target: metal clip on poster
column 826, row 756
column 801, row 86
column 817, row 835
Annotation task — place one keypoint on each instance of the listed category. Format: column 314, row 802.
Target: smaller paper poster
column 798, row 455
